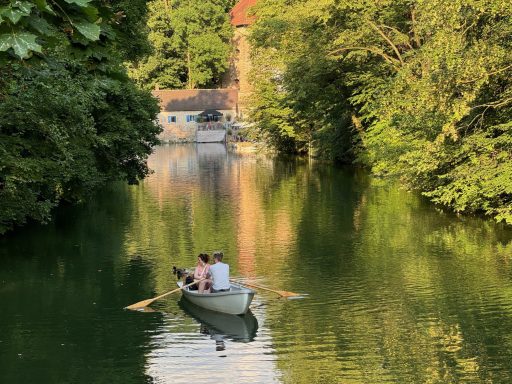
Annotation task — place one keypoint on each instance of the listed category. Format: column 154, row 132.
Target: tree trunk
column 189, row 69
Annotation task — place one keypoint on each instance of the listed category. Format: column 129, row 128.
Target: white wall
column 181, row 117
column 181, row 130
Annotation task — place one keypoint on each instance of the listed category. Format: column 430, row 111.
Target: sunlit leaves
column 89, row 30
column 14, row 14
column 299, row 102
column 427, row 84
column 80, row 3
column 22, row 44
column 21, row 19
column 191, row 44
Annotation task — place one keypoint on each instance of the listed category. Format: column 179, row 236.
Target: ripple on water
column 397, row 291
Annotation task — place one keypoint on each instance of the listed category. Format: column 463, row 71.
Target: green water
column 398, row 291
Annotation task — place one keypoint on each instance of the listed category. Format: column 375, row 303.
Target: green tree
column 300, row 101
column 70, row 118
column 191, row 44
column 28, row 26
column 419, row 90
column 440, row 124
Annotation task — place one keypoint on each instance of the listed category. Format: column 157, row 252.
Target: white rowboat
column 236, row 301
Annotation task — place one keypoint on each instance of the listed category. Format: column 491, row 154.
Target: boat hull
column 234, row 302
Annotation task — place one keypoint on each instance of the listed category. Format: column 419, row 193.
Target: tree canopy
column 191, row 44
column 70, row 118
column 415, row 89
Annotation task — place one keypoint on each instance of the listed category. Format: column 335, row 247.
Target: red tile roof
column 196, row 99
column 239, row 12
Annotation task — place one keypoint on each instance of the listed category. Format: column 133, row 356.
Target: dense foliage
column 413, row 88
column 191, row 44
column 70, row 118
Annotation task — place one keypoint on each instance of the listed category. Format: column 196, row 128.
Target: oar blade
column 140, row 304
column 287, row 294
column 145, row 303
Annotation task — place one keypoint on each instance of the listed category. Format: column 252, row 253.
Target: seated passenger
column 202, row 270
column 219, row 273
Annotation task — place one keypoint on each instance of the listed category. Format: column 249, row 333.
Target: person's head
column 217, row 256
column 203, row 257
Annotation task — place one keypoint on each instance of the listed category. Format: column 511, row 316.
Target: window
column 191, row 118
column 171, row 119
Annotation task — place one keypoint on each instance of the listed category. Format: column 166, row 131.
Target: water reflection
column 399, row 292
column 213, row 347
column 221, row 326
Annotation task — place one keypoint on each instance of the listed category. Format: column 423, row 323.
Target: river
column 397, row 291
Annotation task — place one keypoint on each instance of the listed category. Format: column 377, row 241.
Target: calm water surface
column 398, row 291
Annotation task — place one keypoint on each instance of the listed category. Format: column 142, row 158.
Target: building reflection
column 266, row 208
column 212, row 199
column 408, row 286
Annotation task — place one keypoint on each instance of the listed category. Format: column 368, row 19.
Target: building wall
column 181, row 130
column 238, row 74
column 243, row 66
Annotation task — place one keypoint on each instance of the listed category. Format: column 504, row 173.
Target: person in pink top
column 201, row 272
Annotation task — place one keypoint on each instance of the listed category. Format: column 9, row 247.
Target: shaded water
column 399, row 292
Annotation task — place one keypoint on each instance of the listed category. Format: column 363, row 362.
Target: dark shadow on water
column 221, row 326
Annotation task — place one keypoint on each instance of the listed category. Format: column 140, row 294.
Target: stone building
column 240, row 66
column 185, row 111
column 181, row 109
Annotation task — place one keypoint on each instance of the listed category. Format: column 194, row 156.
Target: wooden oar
column 281, row 293
column 145, row 303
